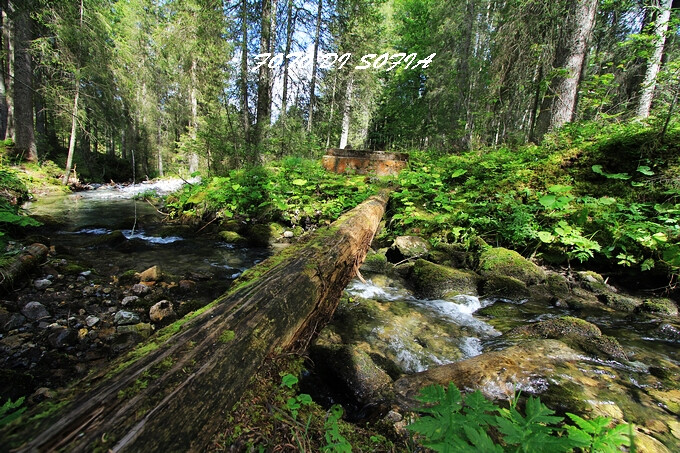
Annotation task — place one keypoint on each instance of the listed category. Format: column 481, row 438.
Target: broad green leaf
column 299, row 182
column 546, row 236
column 558, row 188
column 645, row 170
column 547, row 201
column 458, row 172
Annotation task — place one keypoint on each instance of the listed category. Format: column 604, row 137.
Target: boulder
column 232, row 237
column 664, row 307
column 375, row 262
column 505, row 287
column 435, row 281
column 501, row 261
column 405, row 247
column 576, row 332
column 124, row 317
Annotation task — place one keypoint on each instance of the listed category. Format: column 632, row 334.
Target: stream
column 105, row 233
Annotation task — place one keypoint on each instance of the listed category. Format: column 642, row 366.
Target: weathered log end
column 172, row 393
column 21, row 265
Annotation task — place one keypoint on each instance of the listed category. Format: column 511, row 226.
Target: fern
column 8, row 413
column 462, row 424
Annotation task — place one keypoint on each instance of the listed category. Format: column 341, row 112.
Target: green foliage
column 556, row 199
column 472, row 423
column 294, row 190
column 10, row 411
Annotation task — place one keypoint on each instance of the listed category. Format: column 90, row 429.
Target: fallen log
column 30, row 257
column 173, row 392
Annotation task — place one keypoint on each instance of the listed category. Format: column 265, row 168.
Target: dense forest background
column 174, row 85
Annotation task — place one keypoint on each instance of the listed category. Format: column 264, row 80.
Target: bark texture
column 22, row 264
column 172, row 393
column 649, row 83
column 23, row 85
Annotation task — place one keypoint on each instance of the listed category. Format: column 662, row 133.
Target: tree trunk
column 649, row 83
column 72, row 140
column 264, row 79
column 312, row 86
column 7, row 71
column 244, row 77
column 172, row 393
column 23, row 85
column 346, row 114
column 290, row 29
column 558, row 107
column 193, row 126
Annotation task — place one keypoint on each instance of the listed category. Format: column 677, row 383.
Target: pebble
column 42, row 283
column 123, row 318
column 161, row 310
column 91, row 320
column 288, row 234
column 129, row 300
column 35, row 311
column 140, row 290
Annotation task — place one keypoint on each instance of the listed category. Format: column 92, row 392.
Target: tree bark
column 244, row 77
column 290, row 29
column 172, row 393
column 72, row 139
column 649, row 83
column 559, row 104
column 23, row 85
column 312, row 85
column 264, row 80
column 346, row 114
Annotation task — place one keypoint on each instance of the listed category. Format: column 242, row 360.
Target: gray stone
column 35, row 311
column 129, row 300
column 407, row 247
column 14, row 321
column 91, row 321
column 140, row 289
column 288, row 234
column 41, row 283
column 161, row 311
column 62, row 337
column 123, row 318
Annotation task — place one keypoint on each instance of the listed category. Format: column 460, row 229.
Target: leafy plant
column 10, row 411
column 454, row 423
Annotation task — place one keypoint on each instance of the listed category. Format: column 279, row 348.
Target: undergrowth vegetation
column 589, row 192
column 296, row 191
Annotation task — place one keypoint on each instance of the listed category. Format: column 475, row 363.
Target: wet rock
column 41, row 283
column 129, row 300
column 35, row 311
column 574, row 331
column 501, row 261
column 162, row 311
column 665, row 307
column 187, row 285
column 14, row 321
column 140, row 290
column 91, row 321
column 62, row 337
column 497, row 374
column 405, row 247
column 505, row 287
column 558, row 285
column 619, row 302
column 592, row 281
column 143, row 329
column 232, row 237
column 123, row 318
column 129, row 277
column 669, row 332
column 435, row 281
column 261, row 235
column 152, row 274
column 114, row 238
column 353, row 368
column 374, row 262
column 452, row 255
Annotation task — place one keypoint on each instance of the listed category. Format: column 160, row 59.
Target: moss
column 619, row 302
column 436, row 281
column 505, row 287
column 374, row 262
column 592, row 281
column 558, row 285
column 227, row 336
column 664, row 307
column 129, row 277
column 232, row 237
column 73, row 269
column 501, row 261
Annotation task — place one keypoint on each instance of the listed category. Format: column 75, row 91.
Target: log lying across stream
column 172, row 393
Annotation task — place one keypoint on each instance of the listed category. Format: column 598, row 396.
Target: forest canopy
column 211, row 85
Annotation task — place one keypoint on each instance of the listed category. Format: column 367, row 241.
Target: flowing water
column 84, row 220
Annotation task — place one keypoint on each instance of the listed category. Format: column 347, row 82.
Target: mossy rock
column 405, row 247
column 501, row 261
column 375, row 262
column 129, row 277
column 592, row 281
column 558, row 285
column 452, row 255
column 619, row 302
column 665, row 307
column 233, row 225
column 260, row 235
column 505, row 287
column 435, row 281
column 500, row 310
column 113, row 239
column 575, row 332
column 232, row 237
column 73, row 269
